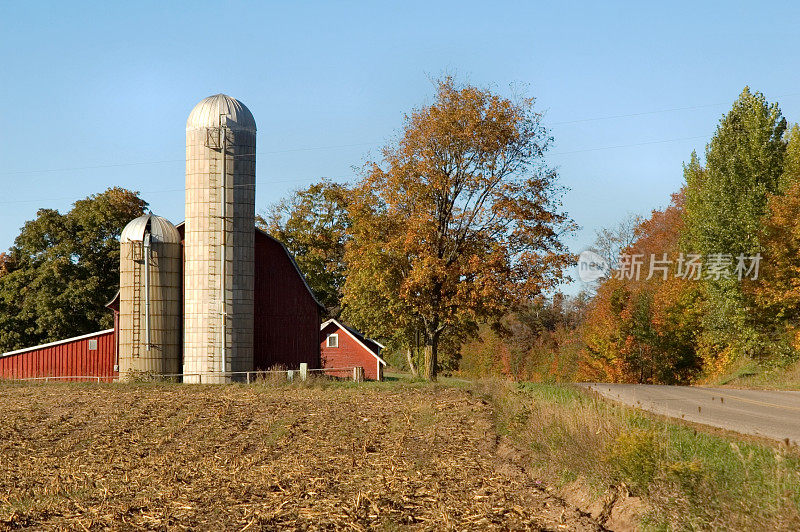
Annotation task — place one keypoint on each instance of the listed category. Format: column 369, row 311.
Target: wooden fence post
column 358, row 374
column 303, row 371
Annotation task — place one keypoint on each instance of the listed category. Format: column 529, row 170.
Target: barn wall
column 287, row 317
column 348, row 354
column 70, row 358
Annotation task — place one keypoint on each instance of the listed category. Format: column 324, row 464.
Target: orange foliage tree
column 777, row 291
column 643, row 328
column 461, row 221
column 537, row 343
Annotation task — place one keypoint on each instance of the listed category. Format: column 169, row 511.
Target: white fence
column 302, row 374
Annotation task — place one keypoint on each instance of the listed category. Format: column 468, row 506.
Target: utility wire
column 141, row 163
column 338, row 146
column 265, row 181
column 262, row 182
column 646, row 113
column 628, row 145
column 167, row 161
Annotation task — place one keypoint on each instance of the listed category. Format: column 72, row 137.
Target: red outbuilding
column 89, row 355
column 345, row 347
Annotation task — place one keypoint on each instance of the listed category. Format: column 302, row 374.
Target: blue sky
column 94, row 95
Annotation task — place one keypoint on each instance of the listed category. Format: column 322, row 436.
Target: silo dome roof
column 208, row 112
column 160, row 229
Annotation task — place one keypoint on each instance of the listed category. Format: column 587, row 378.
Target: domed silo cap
column 221, row 108
column 160, row 229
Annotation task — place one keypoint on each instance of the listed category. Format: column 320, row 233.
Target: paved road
column 772, row 414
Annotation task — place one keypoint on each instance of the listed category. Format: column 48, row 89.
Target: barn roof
column 57, row 342
column 370, row 345
column 294, row 263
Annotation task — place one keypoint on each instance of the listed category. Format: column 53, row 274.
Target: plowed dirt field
column 158, row 457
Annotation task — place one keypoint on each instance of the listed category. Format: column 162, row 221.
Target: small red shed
column 344, row 347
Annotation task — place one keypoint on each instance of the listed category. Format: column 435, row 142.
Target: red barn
column 345, row 347
column 287, row 314
column 285, row 330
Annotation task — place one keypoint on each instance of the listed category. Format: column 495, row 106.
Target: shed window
column 333, row 340
column 93, row 345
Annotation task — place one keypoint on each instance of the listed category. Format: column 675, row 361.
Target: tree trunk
column 411, row 365
column 431, row 352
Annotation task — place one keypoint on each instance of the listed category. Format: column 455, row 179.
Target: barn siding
column 70, row 358
column 348, row 354
column 287, row 316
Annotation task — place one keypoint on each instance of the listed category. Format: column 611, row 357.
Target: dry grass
column 748, row 373
column 684, row 478
column 139, row 456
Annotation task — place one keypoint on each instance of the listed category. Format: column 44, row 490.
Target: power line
column 339, row 146
column 167, row 161
column 628, row 145
column 645, row 113
column 262, row 182
column 265, row 181
column 632, row 115
column 141, row 163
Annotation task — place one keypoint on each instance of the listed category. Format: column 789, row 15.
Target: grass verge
column 687, row 479
column 764, row 374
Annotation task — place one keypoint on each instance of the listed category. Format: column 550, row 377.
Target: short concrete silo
column 219, row 252
column 150, row 298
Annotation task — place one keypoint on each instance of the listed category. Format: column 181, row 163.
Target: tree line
column 459, row 222
column 692, row 291
column 449, row 249
column 738, row 211
column 62, row 270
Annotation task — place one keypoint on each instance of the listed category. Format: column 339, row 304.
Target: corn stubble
column 260, row 457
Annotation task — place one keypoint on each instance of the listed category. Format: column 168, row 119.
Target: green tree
column 726, row 202
column 464, row 211
column 313, row 224
column 744, row 163
column 791, row 161
column 63, row 269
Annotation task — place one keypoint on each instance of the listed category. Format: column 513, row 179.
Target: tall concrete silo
column 150, row 298
column 219, row 253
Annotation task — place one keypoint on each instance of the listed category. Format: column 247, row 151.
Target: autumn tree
column 538, row 342
column 63, row 269
column 464, row 213
column 610, row 242
column 644, row 328
column 777, row 291
column 313, row 224
column 372, row 300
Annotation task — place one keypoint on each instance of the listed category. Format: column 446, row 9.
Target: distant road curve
column 767, row 413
